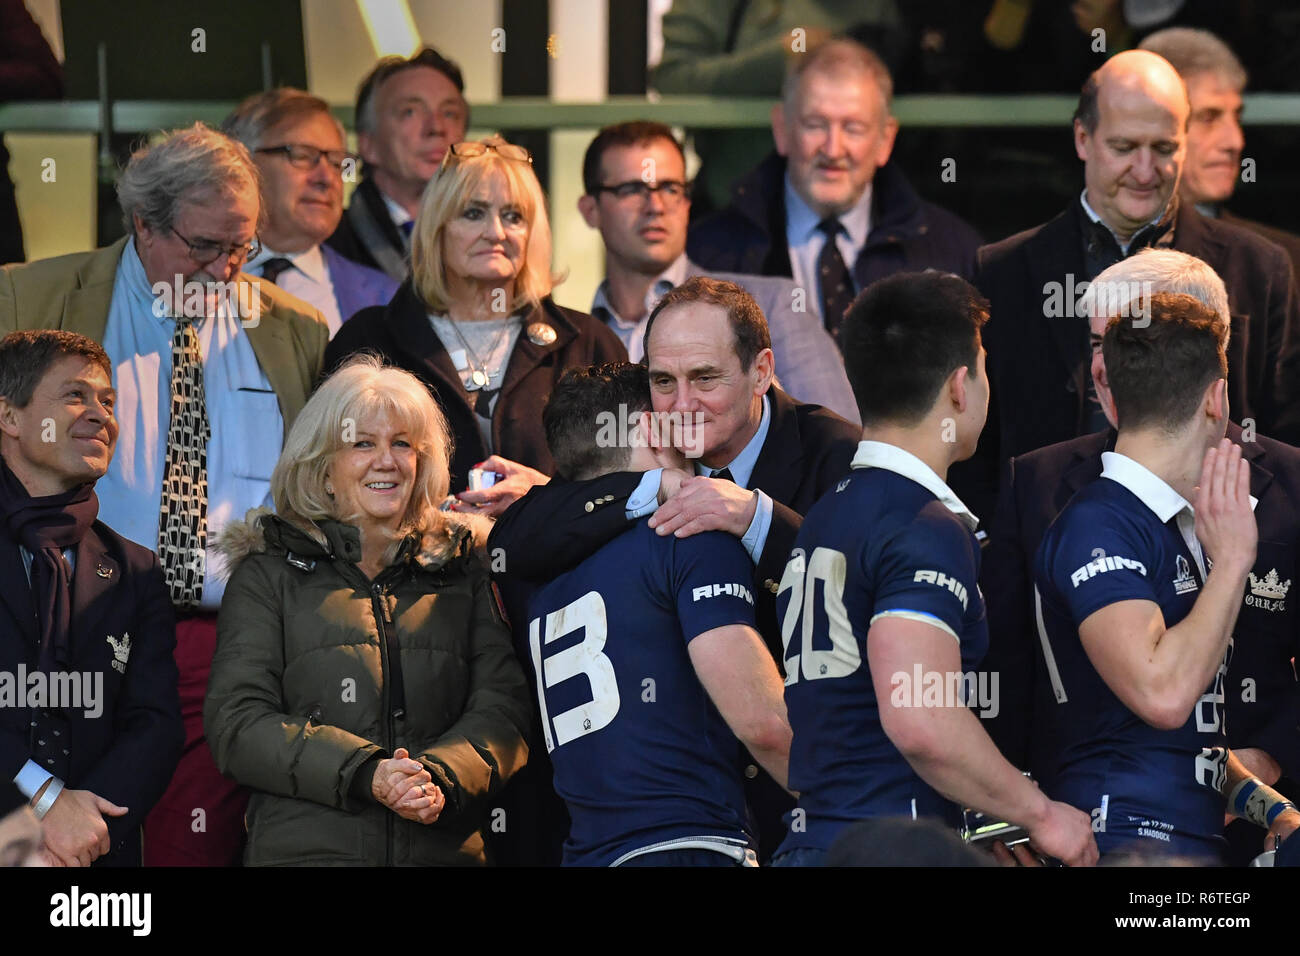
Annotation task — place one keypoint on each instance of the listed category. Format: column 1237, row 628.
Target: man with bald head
column 1130, row 131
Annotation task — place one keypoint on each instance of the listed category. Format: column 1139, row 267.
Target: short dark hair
column 391, row 65
column 583, row 405
column 903, row 336
column 26, row 356
column 1087, row 112
column 1159, row 362
column 632, row 133
column 748, row 324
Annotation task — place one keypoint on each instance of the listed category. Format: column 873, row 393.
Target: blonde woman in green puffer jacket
column 364, row 684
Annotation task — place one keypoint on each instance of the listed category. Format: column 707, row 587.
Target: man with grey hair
column 1215, row 80
column 1262, row 697
column 299, row 150
column 211, row 368
column 409, row 112
column 828, row 207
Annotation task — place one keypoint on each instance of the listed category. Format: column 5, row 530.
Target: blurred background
column 986, row 84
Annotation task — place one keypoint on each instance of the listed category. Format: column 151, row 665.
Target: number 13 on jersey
column 587, row 614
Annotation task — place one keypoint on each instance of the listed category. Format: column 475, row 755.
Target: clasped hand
column 405, row 787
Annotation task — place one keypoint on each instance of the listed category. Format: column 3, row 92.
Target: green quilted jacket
column 319, row 672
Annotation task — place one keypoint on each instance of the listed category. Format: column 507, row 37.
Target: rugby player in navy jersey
column 881, row 615
column 1262, row 697
column 1138, row 592
column 647, row 664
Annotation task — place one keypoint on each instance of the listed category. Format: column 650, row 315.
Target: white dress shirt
column 308, row 278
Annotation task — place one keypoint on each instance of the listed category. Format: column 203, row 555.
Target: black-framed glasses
column 469, row 149
column 306, row 157
column 204, row 251
column 671, row 191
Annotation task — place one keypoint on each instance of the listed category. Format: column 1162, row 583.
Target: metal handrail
column 954, row 111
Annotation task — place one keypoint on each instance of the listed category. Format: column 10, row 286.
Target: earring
column 328, row 490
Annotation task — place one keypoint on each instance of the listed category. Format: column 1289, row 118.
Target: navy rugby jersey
column 891, row 539
column 1127, row 536
column 642, row 758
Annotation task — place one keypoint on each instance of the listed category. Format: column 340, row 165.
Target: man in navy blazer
column 1037, row 337
column 299, row 149
column 1262, row 696
column 764, row 459
column 90, row 721
column 828, row 207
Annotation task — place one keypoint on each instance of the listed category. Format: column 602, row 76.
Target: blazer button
column 590, row 506
column 751, row 772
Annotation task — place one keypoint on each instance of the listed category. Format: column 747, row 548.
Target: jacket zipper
column 394, row 696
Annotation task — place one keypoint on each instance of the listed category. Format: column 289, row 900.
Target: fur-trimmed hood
column 262, row 531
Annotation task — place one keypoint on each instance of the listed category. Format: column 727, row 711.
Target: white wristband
column 47, row 799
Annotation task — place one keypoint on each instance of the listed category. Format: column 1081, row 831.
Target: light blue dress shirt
column 632, row 334
column 805, row 240
column 243, row 412
column 645, row 499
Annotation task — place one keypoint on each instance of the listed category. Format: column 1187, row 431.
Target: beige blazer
column 74, row 292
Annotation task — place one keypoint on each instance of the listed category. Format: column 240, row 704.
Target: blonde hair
column 359, row 389
column 447, row 195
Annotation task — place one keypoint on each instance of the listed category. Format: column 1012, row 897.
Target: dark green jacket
column 304, row 697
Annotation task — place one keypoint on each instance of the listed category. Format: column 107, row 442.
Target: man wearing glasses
column 299, row 150
column 204, row 401
column 409, row 111
column 637, row 197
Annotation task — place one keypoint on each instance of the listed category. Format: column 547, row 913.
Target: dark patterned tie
column 272, row 268
column 182, row 523
column 833, row 278
column 723, row 474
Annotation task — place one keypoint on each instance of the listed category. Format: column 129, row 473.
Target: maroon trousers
column 200, row 819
